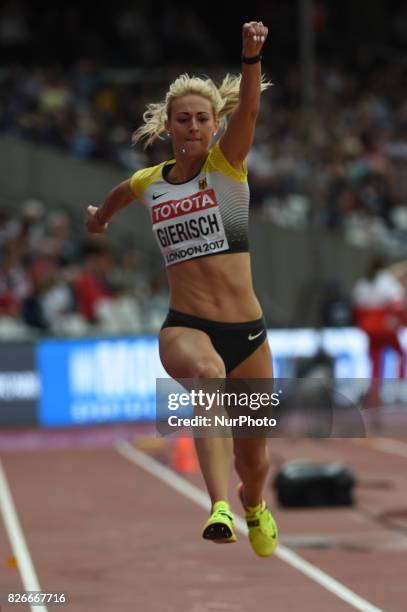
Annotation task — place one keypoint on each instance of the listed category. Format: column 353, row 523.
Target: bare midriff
column 219, row 288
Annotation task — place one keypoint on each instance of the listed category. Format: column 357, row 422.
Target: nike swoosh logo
column 254, row 336
column 159, row 195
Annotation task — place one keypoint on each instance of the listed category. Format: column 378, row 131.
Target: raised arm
column 97, row 217
column 238, row 137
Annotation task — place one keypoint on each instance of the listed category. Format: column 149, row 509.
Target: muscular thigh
column 257, row 365
column 189, row 353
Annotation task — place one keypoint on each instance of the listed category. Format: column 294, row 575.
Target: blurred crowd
column 55, row 281
column 343, row 165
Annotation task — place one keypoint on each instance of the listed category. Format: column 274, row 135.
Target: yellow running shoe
column 263, row 533
column 220, row 526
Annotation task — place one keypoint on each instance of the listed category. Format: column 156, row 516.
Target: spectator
column 92, row 282
column 50, row 297
column 380, row 311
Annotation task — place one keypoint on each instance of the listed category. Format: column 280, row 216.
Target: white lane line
column 17, row 540
column 387, row 445
column 282, row 552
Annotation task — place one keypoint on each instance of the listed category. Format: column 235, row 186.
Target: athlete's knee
column 209, row 368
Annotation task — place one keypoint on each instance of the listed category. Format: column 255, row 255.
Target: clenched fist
column 254, row 34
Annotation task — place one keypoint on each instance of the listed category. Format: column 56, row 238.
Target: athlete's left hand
column 254, row 35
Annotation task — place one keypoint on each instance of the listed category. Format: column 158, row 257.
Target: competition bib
column 189, row 227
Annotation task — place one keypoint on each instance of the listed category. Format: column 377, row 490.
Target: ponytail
column 224, row 100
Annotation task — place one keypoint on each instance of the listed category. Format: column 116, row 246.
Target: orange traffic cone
column 12, row 562
column 184, row 458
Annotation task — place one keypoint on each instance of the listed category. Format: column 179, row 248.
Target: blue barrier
column 105, row 380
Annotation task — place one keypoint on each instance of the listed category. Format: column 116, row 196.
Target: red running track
column 114, row 537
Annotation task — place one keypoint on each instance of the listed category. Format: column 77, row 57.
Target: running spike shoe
column 263, row 533
column 220, row 526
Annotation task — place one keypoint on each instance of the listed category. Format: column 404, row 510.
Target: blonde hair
column 223, row 99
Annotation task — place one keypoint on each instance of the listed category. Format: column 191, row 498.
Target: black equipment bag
column 303, row 484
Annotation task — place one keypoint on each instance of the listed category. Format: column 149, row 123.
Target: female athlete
column 198, row 203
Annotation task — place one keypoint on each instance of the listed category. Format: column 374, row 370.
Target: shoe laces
column 265, row 525
column 223, row 512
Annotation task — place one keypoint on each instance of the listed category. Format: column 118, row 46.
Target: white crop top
column 206, row 215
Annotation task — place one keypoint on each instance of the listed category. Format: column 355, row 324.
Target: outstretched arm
column 238, row 137
column 97, row 217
